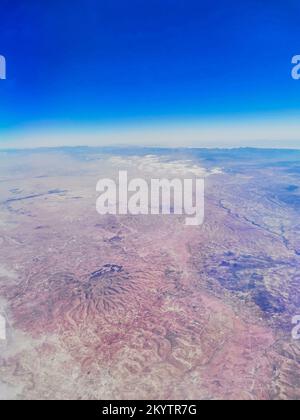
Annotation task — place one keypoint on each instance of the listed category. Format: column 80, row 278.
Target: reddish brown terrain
column 144, row 307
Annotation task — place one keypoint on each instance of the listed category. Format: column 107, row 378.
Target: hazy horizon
column 267, row 132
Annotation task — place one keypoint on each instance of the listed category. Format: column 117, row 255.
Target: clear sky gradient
column 194, row 67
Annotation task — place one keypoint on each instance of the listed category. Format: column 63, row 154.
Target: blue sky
column 100, row 63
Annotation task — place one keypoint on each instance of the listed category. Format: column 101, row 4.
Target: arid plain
column 145, row 307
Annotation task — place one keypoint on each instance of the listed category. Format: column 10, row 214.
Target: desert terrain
column 145, row 307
